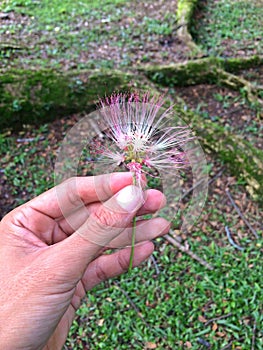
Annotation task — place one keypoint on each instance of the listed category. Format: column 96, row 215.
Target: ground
column 172, row 301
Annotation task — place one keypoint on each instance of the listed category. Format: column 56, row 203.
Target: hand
column 46, row 266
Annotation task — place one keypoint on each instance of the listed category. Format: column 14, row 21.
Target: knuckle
column 123, row 262
column 106, row 219
column 72, row 193
column 100, row 272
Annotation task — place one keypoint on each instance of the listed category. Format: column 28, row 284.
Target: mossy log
column 210, row 70
column 41, row 96
column 28, row 97
column 239, row 155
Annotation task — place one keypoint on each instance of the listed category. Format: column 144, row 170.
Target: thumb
column 110, row 219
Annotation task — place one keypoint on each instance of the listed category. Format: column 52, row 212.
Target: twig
column 228, row 345
column 218, row 318
column 132, row 304
column 30, row 139
column 240, row 214
column 220, row 172
column 254, row 335
column 231, row 112
column 155, row 264
column 191, row 189
column 230, row 239
column 186, row 250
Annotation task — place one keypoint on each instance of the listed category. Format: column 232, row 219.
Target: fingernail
column 130, row 198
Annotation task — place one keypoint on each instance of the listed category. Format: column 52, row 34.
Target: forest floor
column 219, row 309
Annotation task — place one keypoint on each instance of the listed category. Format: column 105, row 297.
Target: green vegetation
column 49, row 43
column 175, row 309
column 25, row 169
column 54, row 11
column 230, row 27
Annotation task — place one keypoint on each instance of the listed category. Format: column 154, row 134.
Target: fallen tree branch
column 186, row 250
column 240, row 156
column 234, row 82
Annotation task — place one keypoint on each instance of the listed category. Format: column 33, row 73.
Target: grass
column 25, row 171
column 53, row 11
column 175, row 308
column 230, row 27
column 54, row 31
column 56, row 34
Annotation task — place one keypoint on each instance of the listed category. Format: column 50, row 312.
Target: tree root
column 211, row 70
column 184, row 13
column 218, row 70
column 242, row 159
column 252, row 92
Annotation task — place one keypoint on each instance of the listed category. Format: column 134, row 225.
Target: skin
column 46, row 266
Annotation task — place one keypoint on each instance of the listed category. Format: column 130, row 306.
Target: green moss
column 28, row 97
column 183, row 74
column 234, row 65
column 212, row 70
column 185, row 9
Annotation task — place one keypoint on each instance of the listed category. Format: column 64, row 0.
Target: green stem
column 133, row 233
column 132, row 243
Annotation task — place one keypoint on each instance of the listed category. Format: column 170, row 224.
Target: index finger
column 67, row 197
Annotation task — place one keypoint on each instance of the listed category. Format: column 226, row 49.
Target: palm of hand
column 52, row 266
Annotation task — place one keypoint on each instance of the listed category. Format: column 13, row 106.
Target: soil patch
column 130, row 34
column 227, row 108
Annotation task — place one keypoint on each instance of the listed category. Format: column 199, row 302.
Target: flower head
column 138, row 135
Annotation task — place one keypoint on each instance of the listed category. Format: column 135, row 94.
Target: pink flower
column 139, row 136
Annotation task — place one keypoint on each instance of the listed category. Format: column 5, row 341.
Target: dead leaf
column 202, row 319
column 214, row 327
column 188, row 345
column 150, row 345
column 220, row 334
column 100, row 322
